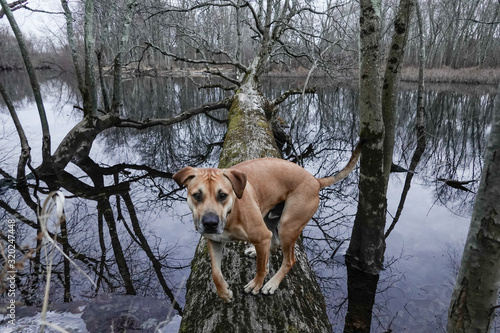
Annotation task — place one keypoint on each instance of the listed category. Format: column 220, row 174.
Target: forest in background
column 462, row 39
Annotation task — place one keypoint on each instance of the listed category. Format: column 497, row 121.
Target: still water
column 423, row 251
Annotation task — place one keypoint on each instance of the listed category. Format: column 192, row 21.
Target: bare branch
column 24, row 157
column 190, row 9
column 289, row 93
column 13, row 6
column 40, row 10
column 220, row 86
column 217, row 72
column 195, row 61
column 122, row 167
column 224, row 104
column 255, row 16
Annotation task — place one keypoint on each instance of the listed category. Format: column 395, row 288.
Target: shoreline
column 445, row 75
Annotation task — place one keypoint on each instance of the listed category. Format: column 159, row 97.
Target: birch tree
column 475, row 295
column 377, row 107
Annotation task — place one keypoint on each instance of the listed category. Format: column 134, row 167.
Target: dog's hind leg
column 262, row 250
column 294, row 219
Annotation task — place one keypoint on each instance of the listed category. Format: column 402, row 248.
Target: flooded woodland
column 103, row 102
column 153, row 223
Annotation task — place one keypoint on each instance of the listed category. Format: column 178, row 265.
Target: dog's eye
column 222, row 196
column 197, row 196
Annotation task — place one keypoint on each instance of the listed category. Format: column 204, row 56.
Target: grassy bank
column 473, row 75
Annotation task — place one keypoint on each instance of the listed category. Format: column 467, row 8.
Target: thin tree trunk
column 370, row 219
column 365, row 255
column 419, row 127
column 117, row 85
column 33, row 80
column 90, row 96
column 72, row 45
column 477, row 286
column 391, row 78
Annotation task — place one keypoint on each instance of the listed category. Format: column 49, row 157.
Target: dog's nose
column 210, row 222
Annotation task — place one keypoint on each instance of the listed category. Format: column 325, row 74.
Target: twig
column 54, row 199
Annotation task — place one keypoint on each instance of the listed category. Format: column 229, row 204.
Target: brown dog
column 234, row 205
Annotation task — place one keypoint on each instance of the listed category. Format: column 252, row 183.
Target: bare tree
column 365, row 255
column 419, row 126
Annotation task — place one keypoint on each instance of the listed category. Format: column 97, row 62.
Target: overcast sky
column 36, row 23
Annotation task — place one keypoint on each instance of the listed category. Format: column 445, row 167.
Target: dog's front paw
column 250, row 251
column 226, row 296
column 253, row 287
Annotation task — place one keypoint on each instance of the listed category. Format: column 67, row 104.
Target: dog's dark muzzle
column 210, row 222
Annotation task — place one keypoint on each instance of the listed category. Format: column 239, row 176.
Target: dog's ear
column 238, row 181
column 183, row 175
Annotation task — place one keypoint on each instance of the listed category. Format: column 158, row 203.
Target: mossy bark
column 298, row 305
column 249, row 134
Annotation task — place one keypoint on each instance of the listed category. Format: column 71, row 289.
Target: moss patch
column 249, row 134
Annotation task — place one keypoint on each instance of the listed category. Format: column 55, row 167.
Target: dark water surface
column 423, row 250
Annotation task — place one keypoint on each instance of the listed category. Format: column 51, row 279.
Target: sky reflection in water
column 425, row 244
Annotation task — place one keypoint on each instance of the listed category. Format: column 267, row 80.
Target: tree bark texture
column 366, row 248
column 365, row 255
column 419, row 125
column 391, row 78
column 476, row 289
column 298, row 305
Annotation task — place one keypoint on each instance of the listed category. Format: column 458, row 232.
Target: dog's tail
column 328, row 181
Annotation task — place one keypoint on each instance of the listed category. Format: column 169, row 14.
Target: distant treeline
column 457, row 33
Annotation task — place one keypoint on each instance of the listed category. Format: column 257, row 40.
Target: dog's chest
column 225, row 237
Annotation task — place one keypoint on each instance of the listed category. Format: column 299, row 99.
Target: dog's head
column 211, row 194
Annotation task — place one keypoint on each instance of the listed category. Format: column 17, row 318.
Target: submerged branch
column 25, row 151
column 157, row 266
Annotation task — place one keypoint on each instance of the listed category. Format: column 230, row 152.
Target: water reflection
column 134, row 234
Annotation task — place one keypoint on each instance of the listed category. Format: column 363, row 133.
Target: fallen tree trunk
column 298, row 305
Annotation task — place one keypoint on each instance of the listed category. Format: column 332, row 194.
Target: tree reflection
column 327, row 122
column 102, row 198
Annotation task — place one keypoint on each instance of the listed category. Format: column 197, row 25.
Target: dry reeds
column 472, row 75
